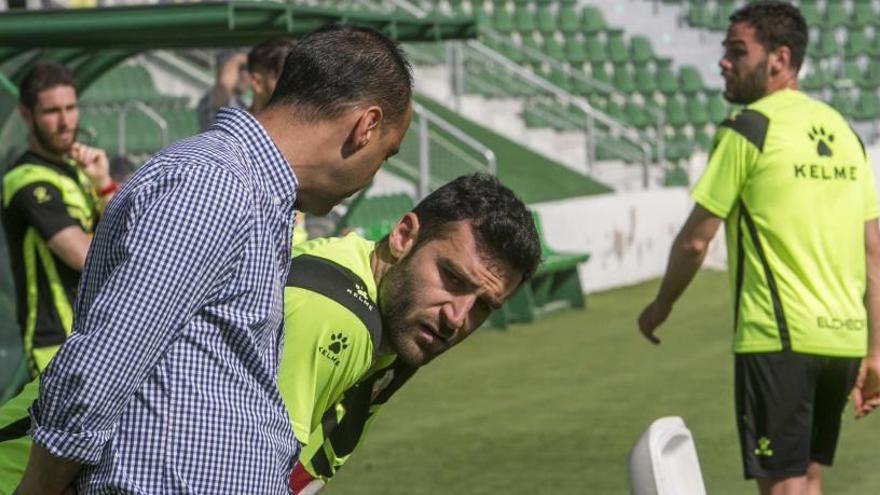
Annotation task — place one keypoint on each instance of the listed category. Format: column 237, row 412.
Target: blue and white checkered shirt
column 168, row 382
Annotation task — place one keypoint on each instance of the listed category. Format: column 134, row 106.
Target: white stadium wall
column 628, row 235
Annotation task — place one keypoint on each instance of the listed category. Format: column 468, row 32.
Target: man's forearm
column 46, row 474
column 685, row 260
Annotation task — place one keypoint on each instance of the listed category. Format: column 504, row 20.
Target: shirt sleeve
column 41, row 206
column 732, row 159
column 326, row 351
column 159, row 256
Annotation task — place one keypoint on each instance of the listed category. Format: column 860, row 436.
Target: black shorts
column 788, row 409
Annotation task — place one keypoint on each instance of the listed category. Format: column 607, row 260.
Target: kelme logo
column 41, row 194
column 763, row 448
column 338, row 343
column 823, row 141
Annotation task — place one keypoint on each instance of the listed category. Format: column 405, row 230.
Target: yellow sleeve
column 732, row 159
column 326, row 350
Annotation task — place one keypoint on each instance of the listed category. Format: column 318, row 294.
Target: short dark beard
column 45, row 141
column 396, row 291
column 752, row 87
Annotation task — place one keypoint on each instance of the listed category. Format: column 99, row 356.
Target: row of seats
column 577, row 48
column 714, row 15
column 128, row 82
column 822, row 74
column 860, row 106
column 142, row 135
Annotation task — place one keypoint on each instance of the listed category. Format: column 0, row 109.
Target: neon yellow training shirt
column 795, row 187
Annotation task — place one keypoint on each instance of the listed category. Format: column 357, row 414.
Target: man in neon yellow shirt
column 361, row 317
column 793, row 185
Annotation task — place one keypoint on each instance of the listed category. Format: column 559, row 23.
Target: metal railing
column 435, row 151
column 592, row 117
column 149, row 113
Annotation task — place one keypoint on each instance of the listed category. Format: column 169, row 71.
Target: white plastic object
column 664, row 461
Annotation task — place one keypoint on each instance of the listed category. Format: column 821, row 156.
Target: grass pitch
column 554, row 407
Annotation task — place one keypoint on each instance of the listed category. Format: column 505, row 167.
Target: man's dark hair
column 337, row 67
column 269, row 55
column 777, row 24
column 40, row 78
column 503, row 226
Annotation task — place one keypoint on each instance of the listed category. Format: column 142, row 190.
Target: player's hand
column 93, row 162
column 652, row 317
column 866, row 392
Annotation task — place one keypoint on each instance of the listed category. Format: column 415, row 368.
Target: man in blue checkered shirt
column 168, row 382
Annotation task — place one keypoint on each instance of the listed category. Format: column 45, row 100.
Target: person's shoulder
column 750, row 123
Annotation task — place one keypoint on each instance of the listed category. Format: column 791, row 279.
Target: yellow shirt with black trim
column 795, row 187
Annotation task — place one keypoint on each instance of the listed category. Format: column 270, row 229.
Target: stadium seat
column 546, row 20
column 616, row 46
column 646, row 84
column 641, row 51
column 863, row 14
column 697, row 112
column 667, row 83
column 595, row 50
column 810, row 10
column 827, row 45
column 664, row 461
column 569, row 19
column 702, row 139
column 623, row 79
column 574, row 51
column 842, row 101
column 556, row 278
column 636, row 115
column 690, row 80
column 717, row 106
column 698, row 14
column 871, row 75
column 676, row 176
column 593, row 20
column 835, row 15
column 599, row 73
column 851, row 71
column 524, row 19
column 867, row 107
column 816, row 77
column 553, row 49
column 676, row 116
column 502, row 21
column 857, row 43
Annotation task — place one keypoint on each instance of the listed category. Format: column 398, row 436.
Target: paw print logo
column 823, row 141
column 338, row 342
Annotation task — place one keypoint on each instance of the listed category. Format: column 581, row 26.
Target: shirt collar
column 268, row 163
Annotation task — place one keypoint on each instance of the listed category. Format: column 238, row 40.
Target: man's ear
column 403, row 236
column 779, row 60
column 367, row 126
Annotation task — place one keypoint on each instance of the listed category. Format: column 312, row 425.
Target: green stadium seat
column 810, row 10
column 827, row 46
column 679, row 146
column 690, row 80
column 614, row 110
column 676, row 115
column 530, row 42
column 569, row 19
column 641, row 50
column 874, row 49
column 645, row 81
column 718, row 107
column 502, row 21
column 617, row 51
column 719, row 19
column 667, row 83
column 623, row 79
column 560, row 79
column 698, row 14
column 863, row 14
column 851, row 71
column 676, row 177
column 835, row 15
column 871, row 76
column 595, row 49
column 636, row 115
column 482, row 16
column 842, row 101
column 574, row 51
column 702, row 139
column 867, row 107
column 523, row 19
column 553, row 49
column 816, row 77
column 697, row 111
column 546, row 20
column 857, row 43
column 598, row 72
column 593, row 20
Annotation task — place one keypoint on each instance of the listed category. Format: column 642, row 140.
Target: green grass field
column 554, row 407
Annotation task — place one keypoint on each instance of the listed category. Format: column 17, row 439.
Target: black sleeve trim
column 15, row 430
column 41, row 206
column 340, row 284
column 751, row 125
